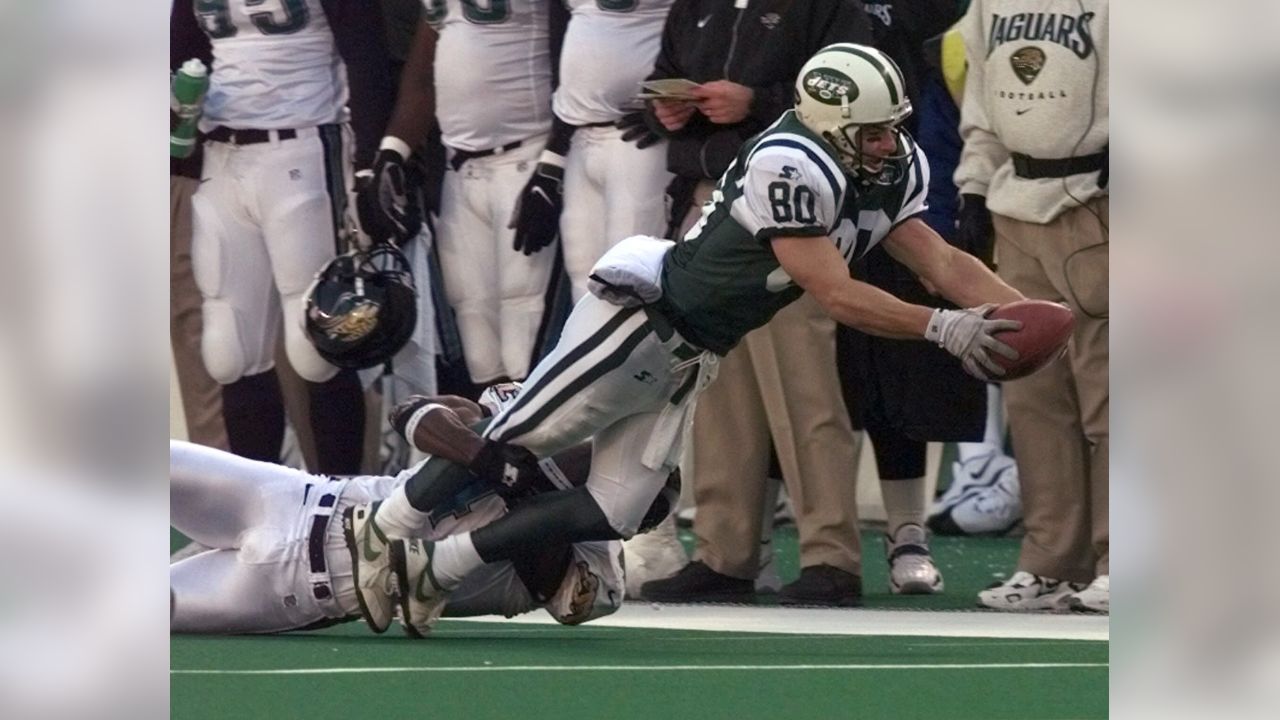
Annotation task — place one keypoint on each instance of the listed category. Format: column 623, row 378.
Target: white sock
column 398, row 518
column 455, row 557
column 992, row 433
column 904, row 502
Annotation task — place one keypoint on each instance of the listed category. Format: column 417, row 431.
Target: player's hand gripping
column 635, row 129
column 970, row 336
column 536, row 218
column 396, row 208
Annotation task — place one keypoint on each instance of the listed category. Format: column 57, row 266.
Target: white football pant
column 496, row 292
column 265, row 220
column 612, row 190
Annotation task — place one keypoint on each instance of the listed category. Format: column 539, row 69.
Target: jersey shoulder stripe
column 824, row 163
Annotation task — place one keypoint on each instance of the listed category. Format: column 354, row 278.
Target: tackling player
column 279, row 561
column 829, row 181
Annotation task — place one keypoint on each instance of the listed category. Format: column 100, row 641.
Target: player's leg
column 634, row 187
column 240, row 310
column 522, row 279
column 468, row 263
column 901, row 462
column 302, row 201
column 216, row 497
column 582, row 239
column 236, row 591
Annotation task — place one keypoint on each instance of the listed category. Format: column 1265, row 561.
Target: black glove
column 510, row 469
column 635, row 129
column 975, row 234
column 536, row 218
column 386, row 206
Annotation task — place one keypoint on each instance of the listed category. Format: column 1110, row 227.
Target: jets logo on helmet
column 829, row 86
column 845, row 87
column 362, row 307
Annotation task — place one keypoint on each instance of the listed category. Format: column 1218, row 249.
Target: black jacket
column 762, row 46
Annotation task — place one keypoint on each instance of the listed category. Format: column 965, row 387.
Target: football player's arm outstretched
column 815, row 265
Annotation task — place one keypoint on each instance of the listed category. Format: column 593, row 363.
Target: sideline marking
column 638, row 668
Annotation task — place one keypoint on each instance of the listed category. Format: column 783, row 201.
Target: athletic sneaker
column 422, row 598
column 983, row 498
column 654, row 555
column 1025, row 592
column 911, row 568
column 370, row 565
column 697, row 583
column 1094, row 599
column 822, row 586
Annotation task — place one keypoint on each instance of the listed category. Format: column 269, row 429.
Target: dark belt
column 603, row 123
column 315, row 547
column 224, row 134
column 1031, row 168
column 462, row 156
column 664, row 329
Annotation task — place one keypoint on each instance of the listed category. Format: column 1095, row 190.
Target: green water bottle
column 187, row 99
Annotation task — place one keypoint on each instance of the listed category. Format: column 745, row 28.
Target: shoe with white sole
column 1025, row 592
column 983, row 499
column 1094, row 599
column 911, row 568
column 655, row 555
column 422, row 597
column 370, row 565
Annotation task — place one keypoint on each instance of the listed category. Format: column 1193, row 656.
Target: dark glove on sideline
column 537, row 213
column 635, row 129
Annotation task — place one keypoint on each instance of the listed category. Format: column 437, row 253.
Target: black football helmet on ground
column 362, row 307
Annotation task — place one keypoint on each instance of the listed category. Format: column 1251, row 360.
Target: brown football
column 1046, row 328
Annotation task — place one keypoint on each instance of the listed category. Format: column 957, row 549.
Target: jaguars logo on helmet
column 362, row 307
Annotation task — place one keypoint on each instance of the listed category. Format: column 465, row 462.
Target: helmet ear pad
column 362, row 308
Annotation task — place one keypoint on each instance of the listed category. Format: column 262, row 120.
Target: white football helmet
column 846, row 86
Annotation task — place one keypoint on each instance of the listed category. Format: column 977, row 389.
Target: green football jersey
column 723, row 280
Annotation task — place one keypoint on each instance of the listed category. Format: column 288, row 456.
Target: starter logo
column 829, row 86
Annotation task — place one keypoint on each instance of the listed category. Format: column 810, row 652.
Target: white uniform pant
column 608, row 380
column 496, row 292
column 612, row 190
column 260, row 578
column 265, row 219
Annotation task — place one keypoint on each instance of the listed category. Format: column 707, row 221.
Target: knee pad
column 304, row 358
column 227, row 356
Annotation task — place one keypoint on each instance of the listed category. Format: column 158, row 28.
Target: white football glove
column 970, row 336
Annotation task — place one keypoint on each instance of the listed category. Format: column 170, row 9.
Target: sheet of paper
column 667, row 88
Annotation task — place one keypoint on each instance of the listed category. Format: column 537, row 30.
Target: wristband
column 411, row 426
column 395, row 144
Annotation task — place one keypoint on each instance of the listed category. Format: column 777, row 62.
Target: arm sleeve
column 665, row 65
column 186, row 39
column 982, row 152
column 787, row 191
column 360, row 37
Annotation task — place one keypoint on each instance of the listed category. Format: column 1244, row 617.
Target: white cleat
column 422, row 597
column 1094, row 599
column 1025, row 592
column 911, row 568
column 370, row 565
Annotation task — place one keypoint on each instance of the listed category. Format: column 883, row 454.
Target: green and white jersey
column 723, row 280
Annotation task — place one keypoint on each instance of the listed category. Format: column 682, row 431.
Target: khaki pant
column 201, row 396
column 780, row 382
column 1058, row 417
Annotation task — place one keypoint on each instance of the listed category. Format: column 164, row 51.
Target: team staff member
column 1035, row 127
column 272, row 201
column 780, row 383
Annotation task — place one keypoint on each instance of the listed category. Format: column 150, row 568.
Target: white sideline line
column 637, row 668
column 842, row 621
